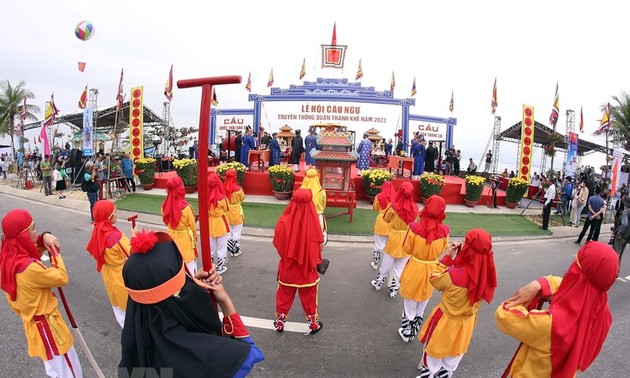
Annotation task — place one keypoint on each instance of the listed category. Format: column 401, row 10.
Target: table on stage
column 259, row 157
column 400, row 163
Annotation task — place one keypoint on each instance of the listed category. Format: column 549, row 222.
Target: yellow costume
column 533, row 329
column 185, row 235
column 311, row 182
column 397, row 232
column 36, row 305
column 414, row 280
column 380, row 226
column 235, row 214
column 217, row 218
column 111, row 272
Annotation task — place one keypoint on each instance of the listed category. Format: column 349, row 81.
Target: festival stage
column 257, row 183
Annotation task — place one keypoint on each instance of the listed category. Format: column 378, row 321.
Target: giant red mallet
column 206, row 84
column 132, row 219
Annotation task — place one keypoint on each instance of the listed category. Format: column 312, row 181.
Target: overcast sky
column 458, row 46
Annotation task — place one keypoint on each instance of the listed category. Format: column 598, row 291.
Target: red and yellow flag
column 605, row 122
column 303, row 70
column 270, row 81
column 248, row 86
column 581, row 120
column 494, row 102
column 215, row 102
column 51, row 111
column 83, row 99
column 168, row 88
column 413, row 87
column 553, row 118
column 359, row 71
column 392, row 84
column 119, row 97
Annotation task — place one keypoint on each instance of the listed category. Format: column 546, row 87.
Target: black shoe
column 577, row 242
column 541, row 227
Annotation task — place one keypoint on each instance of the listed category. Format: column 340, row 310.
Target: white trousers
column 449, row 363
column 379, row 242
column 395, row 265
column 192, row 266
column 120, row 316
column 235, row 232
column 65, row 366
column 412, row 308
column 218, row 246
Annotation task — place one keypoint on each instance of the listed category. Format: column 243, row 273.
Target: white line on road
column 268, row 324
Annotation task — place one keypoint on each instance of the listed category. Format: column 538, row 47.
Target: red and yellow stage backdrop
column 136, row 123
column 527, row 143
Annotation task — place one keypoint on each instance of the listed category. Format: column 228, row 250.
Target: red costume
column 298, row 239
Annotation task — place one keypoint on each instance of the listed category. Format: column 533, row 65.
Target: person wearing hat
column 364, row 150
column 424, row 242
column 110, row 248
column 173, row 323
column 28, row 285
column 235, row 196
column 311, row 182
column 418, row 153
column 297, row 148
column 465, row 278
column 249, row 143
column 381, row 204
column 402, row 212
column 265, row 140
column 180, row 221
column 218, row 207
column 565, row 338
column 298, row 240
column 310, row 144
column 274, row 147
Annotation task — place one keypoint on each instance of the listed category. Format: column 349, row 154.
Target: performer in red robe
column 298, row 239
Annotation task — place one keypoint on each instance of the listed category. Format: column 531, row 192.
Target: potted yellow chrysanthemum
column 373, row 180
column 474, row 188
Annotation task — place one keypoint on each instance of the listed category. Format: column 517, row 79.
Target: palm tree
column 11, row 103
column 620, row 119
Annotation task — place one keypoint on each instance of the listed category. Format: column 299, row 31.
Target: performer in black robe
column 238, row 143
column 430, row 156
column 297, row 148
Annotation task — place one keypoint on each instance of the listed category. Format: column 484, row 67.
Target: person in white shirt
column 550, row 196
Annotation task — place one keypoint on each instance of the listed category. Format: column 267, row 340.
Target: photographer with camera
column 90, row 186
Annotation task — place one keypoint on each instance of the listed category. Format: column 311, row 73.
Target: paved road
column 359, row 338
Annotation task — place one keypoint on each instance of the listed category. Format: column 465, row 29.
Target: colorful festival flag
column 119, row 97
column 270, row 81
column 451, row 106
column 392, row 85
column 581, row 120
column 83, row 99
column 413, row 87
column 215, row 102
column 553, row 118
column 494, row 102
column 43, row 139
column 51, row 111
column 359, row 71
column 168, row 88
column 248, row 86
column 303, row 71
column 605, row 122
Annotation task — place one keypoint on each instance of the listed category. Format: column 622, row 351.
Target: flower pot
column 282, row 195
column 148, row 186
column 511, row 205
column 470, row 203
column 190, row 189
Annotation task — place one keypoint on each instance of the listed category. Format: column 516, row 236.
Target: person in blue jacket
column 274, row 158
column 248, row 144
column 310, row 143
column 418, row 153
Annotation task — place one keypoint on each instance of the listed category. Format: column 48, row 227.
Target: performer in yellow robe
column 218, row 207
column 425, row 241
column 180, row 220
column 404, row 210
column 464, row 282
column 311, row 182
column 567, row 337
column 382, row 202
column 236, row 218
column 28, row 285
column 110, row 247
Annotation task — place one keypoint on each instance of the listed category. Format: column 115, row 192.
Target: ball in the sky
column 84, row 30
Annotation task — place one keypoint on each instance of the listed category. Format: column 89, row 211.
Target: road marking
column 621, row 279
column 268, row 324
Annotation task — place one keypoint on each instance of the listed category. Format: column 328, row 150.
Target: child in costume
column 567, row 337
column 181, row 223
column 403, row 211
column 425, row 241
column 218, row 207
column 311, row 182
column 28, row 285
column 110, row 248
column 235, row 196
column 382, row 202
column 465, row 278
column 298, row 239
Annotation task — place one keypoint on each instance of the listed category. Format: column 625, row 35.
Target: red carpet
column 257, row 183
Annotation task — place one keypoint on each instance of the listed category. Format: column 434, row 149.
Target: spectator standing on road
column 424, row 242
column 110, row 248
column 45, row 167
column 60, row 185
column 580, row 202
column 181, row 222
column 298, row 240
column 565, row 195
column 382, row 202
column 28, row 285
column 91, row 173
column 3, row 167
column 568, row 336
column 593, row 222
column 550, row 196
column 127, row 166
column 465, row 278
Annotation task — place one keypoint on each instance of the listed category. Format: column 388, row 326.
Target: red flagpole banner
column 359, row 71
column 248, row 86
column 555, row 111
column 527, row 143
column 84, row 98
column 581, row 120
column 119, row 97
column 413, row 87
column 303, row 71
column 494, row 102
column 168, row 88
column 392, row 84
column 333, row 55
column 270, row 81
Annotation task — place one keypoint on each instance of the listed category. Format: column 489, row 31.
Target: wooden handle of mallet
column 132, row 219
